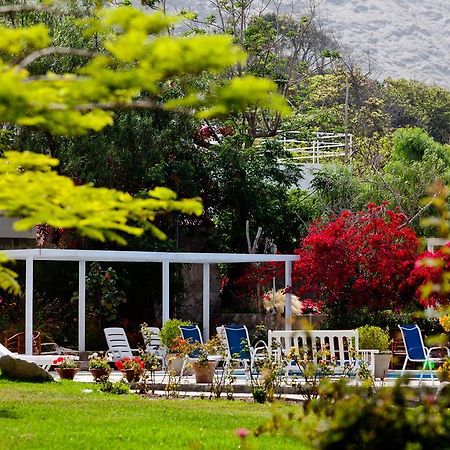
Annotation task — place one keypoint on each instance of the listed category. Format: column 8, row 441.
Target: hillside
column 404, row 38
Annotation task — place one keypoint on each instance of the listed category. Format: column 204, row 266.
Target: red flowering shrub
column 430, row 274
column 253, row 275
column 127, row 363
column 360, row 259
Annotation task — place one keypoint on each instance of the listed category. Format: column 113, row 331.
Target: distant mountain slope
column 404, row 38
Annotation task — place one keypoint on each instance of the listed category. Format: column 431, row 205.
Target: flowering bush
column 360, row 259
column 127, row 363
column 170, row 331
column 253, row 275
column 95, row 361
column 65, row 363
column 430, row 273
column 445, row 322
column 180, row 346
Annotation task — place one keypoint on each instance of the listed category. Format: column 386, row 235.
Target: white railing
column 324, row 146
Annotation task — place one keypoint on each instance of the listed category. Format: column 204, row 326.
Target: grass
column 61, row 415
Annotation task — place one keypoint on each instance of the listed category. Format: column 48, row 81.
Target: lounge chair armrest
column 53, row 348
column 430, row 349
column 259, row 346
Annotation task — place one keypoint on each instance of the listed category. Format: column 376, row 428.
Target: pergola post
column 288, row 295
column 206, row 292
column 81, row 306
column 165, row 291
column 29, row 305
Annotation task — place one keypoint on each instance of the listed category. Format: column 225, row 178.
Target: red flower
column 361, row 259
column 119, row 365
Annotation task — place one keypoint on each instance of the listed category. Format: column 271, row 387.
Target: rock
column 18, row 369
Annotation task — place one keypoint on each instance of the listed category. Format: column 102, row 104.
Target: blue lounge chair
column 192, row 334
column 239, row 348
column 416, row 350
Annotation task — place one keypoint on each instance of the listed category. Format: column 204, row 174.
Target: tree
column 131, row 70
column 248, row 183
column 412, row 103
column 285, row 48
column 360, row 259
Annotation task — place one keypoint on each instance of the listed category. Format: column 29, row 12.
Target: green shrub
column 347, row 417
column 373, row 337
column 170, row 331
column 118, row 388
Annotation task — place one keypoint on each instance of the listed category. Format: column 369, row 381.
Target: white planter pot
column 382, row 361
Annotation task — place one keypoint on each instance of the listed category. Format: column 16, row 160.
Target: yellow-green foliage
column 135, row 58
column 99, row 213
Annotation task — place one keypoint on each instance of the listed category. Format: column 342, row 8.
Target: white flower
column 275, row 303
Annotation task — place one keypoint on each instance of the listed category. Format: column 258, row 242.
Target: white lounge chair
column 118, row 344
column 153, row 343
column 45, row 361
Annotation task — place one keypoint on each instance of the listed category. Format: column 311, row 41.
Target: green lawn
column 61, row 415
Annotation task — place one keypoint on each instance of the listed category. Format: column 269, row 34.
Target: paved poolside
column 242, row 386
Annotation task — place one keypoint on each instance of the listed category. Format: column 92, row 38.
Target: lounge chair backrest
column 412, row 337
column 118, row 343
column 238, row 342
column 191, row 333
column 152, row 339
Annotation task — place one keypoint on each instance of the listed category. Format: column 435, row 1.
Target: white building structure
column 165, row 258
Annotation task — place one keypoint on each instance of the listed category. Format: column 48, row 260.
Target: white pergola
column 83, row 256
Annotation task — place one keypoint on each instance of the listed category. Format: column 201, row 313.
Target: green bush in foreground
column 354, row 418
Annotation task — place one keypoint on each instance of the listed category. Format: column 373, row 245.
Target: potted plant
column 99, row 367
column 67, row 367
column 176, row 347
column 131, row 368
column 375, row 338
column 204, row 366
column 443, row 371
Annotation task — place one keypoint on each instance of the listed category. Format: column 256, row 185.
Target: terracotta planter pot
column 66, row 374
column 204, row 373
column 100, row 374
column 131, row 375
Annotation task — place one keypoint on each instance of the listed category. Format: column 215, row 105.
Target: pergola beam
column 29, row 306
column 81, row 305
column 166, row 258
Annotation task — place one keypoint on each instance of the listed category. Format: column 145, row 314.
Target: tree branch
column 8, row 9
column 418, row 213
column 53, row 51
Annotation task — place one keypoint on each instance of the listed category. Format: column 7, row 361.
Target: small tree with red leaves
column 431, row 277
column 361, row 259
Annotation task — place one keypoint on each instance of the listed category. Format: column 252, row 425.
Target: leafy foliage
column 352, row 419
column 96, row 212
column 129, row 67
column 129, row 64
column 360, row 259
column 418, row 105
